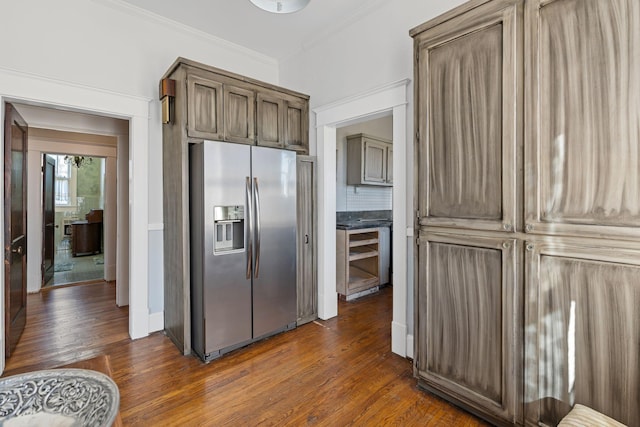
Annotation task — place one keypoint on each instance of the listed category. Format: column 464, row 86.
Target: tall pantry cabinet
column 469, row 293
column 528, row 129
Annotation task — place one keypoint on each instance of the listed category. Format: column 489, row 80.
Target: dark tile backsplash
column 353, row 215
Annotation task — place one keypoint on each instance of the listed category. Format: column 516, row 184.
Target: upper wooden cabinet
column 204, row 109
column 270, row 120
column 368, row 160
column 217, row 105
column 468, row 105
column 282, row 121
column 239, row 114
column 583, row 117
column 296, row 125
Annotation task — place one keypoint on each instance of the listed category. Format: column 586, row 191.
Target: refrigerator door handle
column 249, row 236
column 257, row 202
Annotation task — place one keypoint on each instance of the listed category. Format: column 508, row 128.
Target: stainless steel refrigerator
column 243, row 244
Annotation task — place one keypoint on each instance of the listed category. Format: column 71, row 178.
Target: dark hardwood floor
column 326, row 373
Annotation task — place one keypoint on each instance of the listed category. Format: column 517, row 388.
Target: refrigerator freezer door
column 227, row 291
column 274, row 286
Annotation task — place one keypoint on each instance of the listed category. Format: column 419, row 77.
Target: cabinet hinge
column 418, row 136
column 418, row 214
column 417, row 241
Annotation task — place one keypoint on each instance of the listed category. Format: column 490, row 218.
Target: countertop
column 355, row 224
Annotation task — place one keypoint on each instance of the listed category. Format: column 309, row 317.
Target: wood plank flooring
column 338, row 372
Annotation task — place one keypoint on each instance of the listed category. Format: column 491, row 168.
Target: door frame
column 44, row 161
column 35, row 90
column 366, row 106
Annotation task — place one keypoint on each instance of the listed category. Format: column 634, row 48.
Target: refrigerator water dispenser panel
column 228, row 230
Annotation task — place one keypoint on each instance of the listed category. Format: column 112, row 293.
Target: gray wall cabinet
column 369, row 160
column 528, row 188
column 210, row 103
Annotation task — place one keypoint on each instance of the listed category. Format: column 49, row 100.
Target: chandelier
column 281, row 6
column 78, row 161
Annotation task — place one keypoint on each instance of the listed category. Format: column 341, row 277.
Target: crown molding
column 139, row 12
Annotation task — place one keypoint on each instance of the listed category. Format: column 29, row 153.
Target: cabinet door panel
column 583, row 331
column 374, row 162
column 583, row 157
column 239, row 113
column 465, row 113
column 469, row 79
column 270, row 122
column 297, row 126
column 307, row 283
column 204, row 108
column 468, row 320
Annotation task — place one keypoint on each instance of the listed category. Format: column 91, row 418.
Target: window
column 63, row 177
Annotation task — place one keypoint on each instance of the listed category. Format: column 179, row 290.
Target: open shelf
column 360, row 252
column 360, row 279
column 357, row 260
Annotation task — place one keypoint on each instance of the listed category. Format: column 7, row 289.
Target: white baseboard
column 399, row 339
column 156, row 322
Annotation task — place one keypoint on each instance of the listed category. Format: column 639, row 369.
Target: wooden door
column 582, row 156
column 296, row 125
column 239, row 114
column 15, row 222
column 204, row 108
column 583, row 329
column 48, row 217
column 468, row 110
column 270, row 120
column 469, row 312
column 307, row 281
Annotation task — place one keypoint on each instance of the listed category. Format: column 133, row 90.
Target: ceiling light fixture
column 281, row 6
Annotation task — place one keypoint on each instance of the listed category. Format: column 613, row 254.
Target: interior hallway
column 336, row 372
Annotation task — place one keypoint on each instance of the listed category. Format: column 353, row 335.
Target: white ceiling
column 276, row 35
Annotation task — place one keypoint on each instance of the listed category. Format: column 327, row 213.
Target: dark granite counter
column 363, row 219
column 363, row 223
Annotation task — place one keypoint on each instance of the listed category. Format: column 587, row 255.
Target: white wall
column 109, row 45
column 361, row 198
column 374, row 51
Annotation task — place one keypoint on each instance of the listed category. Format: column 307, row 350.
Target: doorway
column 373, row 104
column 19, row 87
column 90, row 188
column 364, row 206
column 78, row 232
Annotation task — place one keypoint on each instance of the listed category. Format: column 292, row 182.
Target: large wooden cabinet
column 205, row 102
column 528, row 190
column 469, row 292
column 582, row 179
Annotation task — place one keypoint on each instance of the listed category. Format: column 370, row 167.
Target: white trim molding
column 390, row 98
